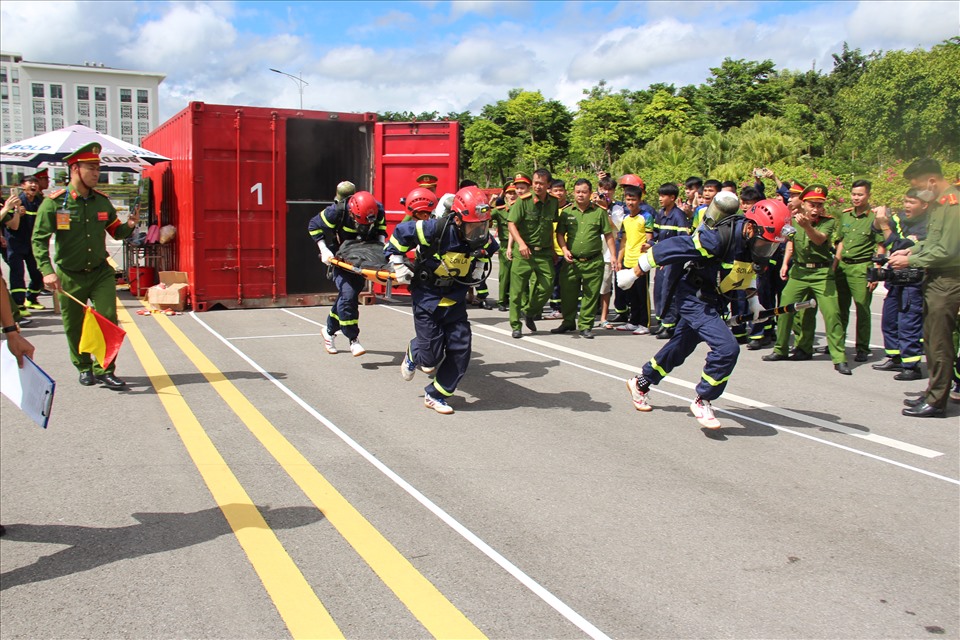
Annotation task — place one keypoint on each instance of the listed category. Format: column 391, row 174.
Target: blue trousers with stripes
column 700, row 321
column 345, row 314
column 902, row 324
column 444, row 340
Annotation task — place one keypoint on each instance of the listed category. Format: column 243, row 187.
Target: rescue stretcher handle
column 772, row 313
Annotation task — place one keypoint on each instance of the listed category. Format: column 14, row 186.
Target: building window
column 56, row 91
column 100, row 94
column 39, row 107
column 126, row 95
column 143, row 112
column 126, row 128
column 101, row 110
column 16, row 91
column 143, row 128
column 37, row 90
column 57, row 122
column 127, row 139
column 83, row 109
column 143, row 96
column 56, row 107
column 84, row 121
column 83, row 93
column 3, row 74
column 3, row 92
column 40, row 124
column 126, row 111
column 101, row 126
column 14, row 75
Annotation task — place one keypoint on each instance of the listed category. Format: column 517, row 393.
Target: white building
column 36, row 97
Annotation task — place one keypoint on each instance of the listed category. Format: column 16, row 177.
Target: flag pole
column 72, row 297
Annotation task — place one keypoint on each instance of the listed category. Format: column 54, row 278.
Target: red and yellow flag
column 100, row 337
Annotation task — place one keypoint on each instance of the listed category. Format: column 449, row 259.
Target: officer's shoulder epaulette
column 848, row 210
column 100, row 193
column 528, row 194
column 950, row 198
column 566, row 206
column 57, row 193
column 826, row 215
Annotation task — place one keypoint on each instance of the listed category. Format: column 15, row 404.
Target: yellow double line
column 298, row 605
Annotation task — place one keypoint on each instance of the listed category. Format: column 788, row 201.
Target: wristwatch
column 11, row 328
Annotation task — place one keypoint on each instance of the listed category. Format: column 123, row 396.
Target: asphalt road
column 248, row 485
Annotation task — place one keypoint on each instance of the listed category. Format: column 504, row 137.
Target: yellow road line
column 298, row 605
column 437, row 614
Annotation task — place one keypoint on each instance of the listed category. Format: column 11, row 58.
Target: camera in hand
column 893, row 277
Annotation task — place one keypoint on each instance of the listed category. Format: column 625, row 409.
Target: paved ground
column 250, row 485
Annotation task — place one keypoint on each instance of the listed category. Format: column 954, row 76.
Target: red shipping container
column 243, row 183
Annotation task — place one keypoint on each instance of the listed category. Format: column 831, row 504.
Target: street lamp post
column 301, row 83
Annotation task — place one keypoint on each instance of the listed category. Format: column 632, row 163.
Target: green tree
column 664, row 113
column 600, row 127
column 738, row 90
column 545, row 125
column 905, row 105
column 491, row 150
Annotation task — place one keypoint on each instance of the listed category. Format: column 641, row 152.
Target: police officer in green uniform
column 856, row 240
column 582, row 229
column 812, row 275
column 79, row 217
column 505, row 255
column 530, row 220
column 939, row 254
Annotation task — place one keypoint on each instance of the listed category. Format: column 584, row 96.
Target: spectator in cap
column 427, row 181
column 812, row 275
column 20, row 249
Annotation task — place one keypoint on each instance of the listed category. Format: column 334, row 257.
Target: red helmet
column 770, row 216
column 421, row 200
column 363, row 207
column 471, row 204
column 632, row 180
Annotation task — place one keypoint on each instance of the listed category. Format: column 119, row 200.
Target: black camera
column 893, row 277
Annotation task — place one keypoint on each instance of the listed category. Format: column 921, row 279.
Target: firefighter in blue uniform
column 718, row 261
column 453, row 254
column 360, row 218
column 669, row 222
column 902, row 320
column 23, row 264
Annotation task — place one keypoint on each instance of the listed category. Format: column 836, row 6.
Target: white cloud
column 895, row 25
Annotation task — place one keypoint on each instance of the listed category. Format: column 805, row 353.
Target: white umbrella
column 51, row 148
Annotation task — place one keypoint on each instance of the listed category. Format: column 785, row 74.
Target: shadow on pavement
column 92, row 547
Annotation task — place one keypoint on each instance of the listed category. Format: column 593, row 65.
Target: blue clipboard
column 30, row 388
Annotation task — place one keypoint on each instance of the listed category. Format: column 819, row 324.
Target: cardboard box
column 172, row 291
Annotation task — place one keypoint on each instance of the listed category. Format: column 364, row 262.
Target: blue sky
column 451, row 56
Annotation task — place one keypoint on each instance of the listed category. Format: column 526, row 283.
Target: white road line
column 785, row 413
column 558, row 605
column 282, row 335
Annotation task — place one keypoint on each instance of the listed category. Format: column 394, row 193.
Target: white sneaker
column 639, row 397
column 703, row 411
column 356, row 348
column 437, row 404
column 641, row 331
column 627, row 327
column 328, row 341
column 407, row 368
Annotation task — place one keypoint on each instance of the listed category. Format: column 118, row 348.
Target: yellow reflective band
column 323, row 216
column 420, row 236
column 699, row 247
column 892, row 352
column 711, row 381
column 400, row 247
column 348, row 323
column 446, row 302
column 441, row 389
column 653, row 363
column 316, row 232
column 910, row 359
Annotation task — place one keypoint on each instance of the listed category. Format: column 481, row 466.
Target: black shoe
column 112, row 381
column 561, row 329
column 620, row 317
column 843, row 368
column 501, row 307
column 87, row 378
column 665, row 334
column 655, row 329
column 517, row 333
column 914, row 402
column 889, row 364
column 799, row 355
column 484, row 304
column 742, row 339
column 586, row 333
column 774, row 357
column 759, row 343
column 24, row 322
column 862, row 356
column 909, row 374
column 531, row 325
column 923, row 410
column 823, row 350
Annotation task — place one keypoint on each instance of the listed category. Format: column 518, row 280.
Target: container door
column 405, row 150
